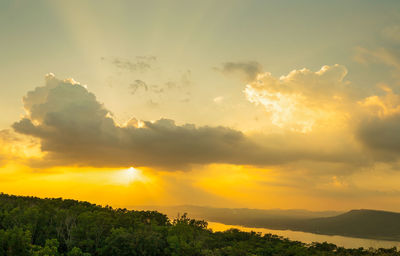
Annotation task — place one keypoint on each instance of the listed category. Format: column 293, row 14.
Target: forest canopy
column 31, row 226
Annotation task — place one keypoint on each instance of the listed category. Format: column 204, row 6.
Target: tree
column 50, row 249
column 15, row 242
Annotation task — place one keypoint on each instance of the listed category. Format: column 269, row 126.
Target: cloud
column 75, row 129
column 248, row 70
column 382, row 105
column 303, row 98
column 153, row 88
column 389, row 57
column 379, row 125
column 139, row 64
column 381, row 134
column 137, row 84
column 180, row 83
column 150, row 84
column 323, row 102
column 380, row 129
column 158, row 93
column 14, row 146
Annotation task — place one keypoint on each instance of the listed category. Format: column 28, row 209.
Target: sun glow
column 130, row 175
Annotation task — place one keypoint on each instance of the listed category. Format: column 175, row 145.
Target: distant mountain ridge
column 213, row 211
column 362, row 223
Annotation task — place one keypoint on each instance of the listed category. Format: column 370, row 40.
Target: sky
column 257, row 103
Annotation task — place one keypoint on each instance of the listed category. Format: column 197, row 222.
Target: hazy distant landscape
column 372, row 224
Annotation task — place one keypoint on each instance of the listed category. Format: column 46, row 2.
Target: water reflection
column 347, row 242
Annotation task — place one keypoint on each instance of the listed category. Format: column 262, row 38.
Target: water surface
column 347, row 242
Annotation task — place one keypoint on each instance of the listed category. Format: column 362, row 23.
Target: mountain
column 356, row 223
column 373, row 224
column 237, row 214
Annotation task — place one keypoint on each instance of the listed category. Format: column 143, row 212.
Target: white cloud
column 302, row 98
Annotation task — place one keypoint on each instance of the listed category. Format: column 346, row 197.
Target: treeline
column 31, row 226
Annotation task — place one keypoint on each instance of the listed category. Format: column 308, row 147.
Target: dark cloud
column 138, row 84
column 75, row 129
column 379, row 128
column 249, row 70
column 381, row 135
column 157, row 93
column 140, row 63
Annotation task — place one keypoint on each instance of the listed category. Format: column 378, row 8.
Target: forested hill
column 31, row 226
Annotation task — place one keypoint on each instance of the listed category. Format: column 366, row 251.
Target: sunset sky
column 231, row 103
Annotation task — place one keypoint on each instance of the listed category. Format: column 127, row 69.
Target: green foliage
column 75, row 252
column 50, row 249
column 15, row 241
column 54, row 227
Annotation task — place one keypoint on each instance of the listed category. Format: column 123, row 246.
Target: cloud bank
column 321, row 121
column 75, row 129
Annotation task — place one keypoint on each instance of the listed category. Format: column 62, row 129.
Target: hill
column 238, row 213
column 356, row 223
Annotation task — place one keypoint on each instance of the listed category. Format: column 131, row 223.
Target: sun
column 130, row 175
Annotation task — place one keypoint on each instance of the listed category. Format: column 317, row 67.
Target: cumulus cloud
column 302, row 98
column 248, row 70
column 382, row 105
column 75, row 129
column 323, row 101
column 379, row 126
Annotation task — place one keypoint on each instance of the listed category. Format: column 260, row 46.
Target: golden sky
column 258, row 104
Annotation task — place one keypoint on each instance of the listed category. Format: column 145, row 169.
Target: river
column 347, row 242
